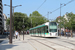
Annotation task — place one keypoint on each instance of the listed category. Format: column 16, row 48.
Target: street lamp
column 13, row 12
column 11, row 18
column 31, row 20
column 48, row 15
column 60, row 8
column 23, row 28
column 50, row 12
column 60, row 15
column 10, row 22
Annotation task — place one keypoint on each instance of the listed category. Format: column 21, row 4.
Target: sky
column 28, row 6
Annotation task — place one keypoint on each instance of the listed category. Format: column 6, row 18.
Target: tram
column 48, row 29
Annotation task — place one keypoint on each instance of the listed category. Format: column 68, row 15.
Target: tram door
column 40, row 31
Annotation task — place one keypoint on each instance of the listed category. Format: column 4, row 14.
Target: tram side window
column 46, row 29
column 36, row 30
column 33, row 31
column 30, row 31
column 39, row 30
column 42, row 29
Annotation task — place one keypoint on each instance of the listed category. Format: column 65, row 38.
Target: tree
column 18, row 21
column 8, row 21
column 37, row 18
column 68, row 22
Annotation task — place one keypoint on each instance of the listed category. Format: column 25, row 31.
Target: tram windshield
column 53, row 27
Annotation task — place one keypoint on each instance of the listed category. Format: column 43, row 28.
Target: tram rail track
column 63, row 41
column 43, row 44
column 37, row 40
column 60, row 45
column 69, row 41
column 53, row 43
column 33, row 46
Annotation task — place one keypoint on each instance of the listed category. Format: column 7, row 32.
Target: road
column 41, row 43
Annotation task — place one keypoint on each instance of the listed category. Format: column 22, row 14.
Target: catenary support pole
column 23, row 28
column 10, row 22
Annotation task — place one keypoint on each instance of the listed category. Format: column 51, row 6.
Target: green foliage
column 35, row 13
column 8, row 21
column 18, row 21
column 37, row 18
column 69, row 22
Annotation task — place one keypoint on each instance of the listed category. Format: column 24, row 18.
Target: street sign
column 23, row 26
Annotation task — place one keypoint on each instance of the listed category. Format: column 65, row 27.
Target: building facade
column 4, row 22
column 1, row 17
column 66, row 17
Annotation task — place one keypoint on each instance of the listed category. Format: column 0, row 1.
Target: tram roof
column 37, row 27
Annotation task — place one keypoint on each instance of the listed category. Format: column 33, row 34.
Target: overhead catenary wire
column 61, row 6
column 41, row 5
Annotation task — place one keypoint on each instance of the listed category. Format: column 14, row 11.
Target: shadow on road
column 51, row 37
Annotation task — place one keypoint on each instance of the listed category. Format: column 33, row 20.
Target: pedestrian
column 66, row 31
column 16, row 34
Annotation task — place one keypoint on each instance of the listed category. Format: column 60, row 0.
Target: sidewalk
column 69, row 38
column 25, row 45
column 16, row 45
column 2, row 37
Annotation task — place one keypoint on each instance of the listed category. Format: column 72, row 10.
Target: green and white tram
column 48, row 29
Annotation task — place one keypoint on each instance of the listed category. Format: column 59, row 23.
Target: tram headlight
column 50, row 34
column 56, row 34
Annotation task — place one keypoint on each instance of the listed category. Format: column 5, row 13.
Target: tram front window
column 53, row 27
